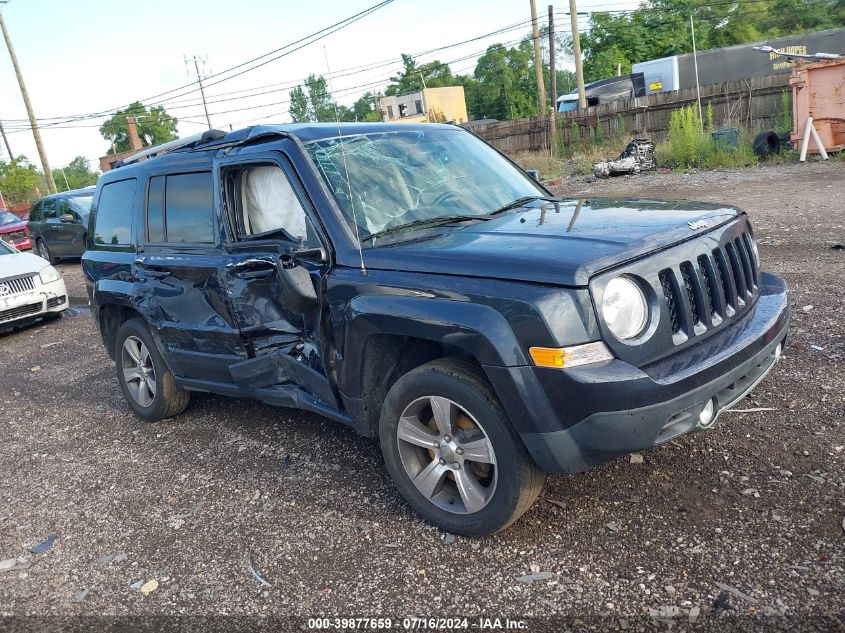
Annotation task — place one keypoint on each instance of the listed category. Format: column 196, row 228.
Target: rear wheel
column 451, row 452
column 145, row 380
column 44, row 251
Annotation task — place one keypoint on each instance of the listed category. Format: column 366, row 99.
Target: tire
column 502, row 490
column 44, row 251
column 152, row 394
column 766, row 144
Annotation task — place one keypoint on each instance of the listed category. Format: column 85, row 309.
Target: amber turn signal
column 560, row 357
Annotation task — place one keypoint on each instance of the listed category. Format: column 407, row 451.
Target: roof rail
column 179, row 143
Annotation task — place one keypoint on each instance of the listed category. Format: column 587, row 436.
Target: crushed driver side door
column 273, row 273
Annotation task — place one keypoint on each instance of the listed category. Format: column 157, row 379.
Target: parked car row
column 56, row 227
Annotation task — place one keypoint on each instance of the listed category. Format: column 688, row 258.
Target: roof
column 307, row 132
column 85, row 191
column 304, row 132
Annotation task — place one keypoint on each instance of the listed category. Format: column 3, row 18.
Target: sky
column 91, row 56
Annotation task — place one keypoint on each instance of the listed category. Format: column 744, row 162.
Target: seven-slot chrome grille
column 703, row 292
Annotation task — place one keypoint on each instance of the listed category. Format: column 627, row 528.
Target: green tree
column 366, row 108
column 155, row 126
column 414, row 77
column 312, row 102
column 78, row 173
column 19, row 181
column 298, row 106
column 507, row 86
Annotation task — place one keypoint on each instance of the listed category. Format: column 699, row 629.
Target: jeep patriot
column 411, row 282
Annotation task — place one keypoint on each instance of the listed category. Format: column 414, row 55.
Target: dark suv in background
column 58, row 224
column 411, row 282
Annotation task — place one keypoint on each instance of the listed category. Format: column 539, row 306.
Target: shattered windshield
column 395, row 178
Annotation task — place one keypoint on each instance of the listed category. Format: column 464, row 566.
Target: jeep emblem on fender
column 698, row 224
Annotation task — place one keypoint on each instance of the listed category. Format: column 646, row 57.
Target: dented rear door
column 177, row 277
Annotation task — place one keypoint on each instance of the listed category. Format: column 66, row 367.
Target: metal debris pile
column 638, row 156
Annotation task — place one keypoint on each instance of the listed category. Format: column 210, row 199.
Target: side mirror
column 67, row 218
column 535, row 174
column 312, row 254
column 297, row 288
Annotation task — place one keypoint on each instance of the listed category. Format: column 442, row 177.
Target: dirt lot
column 743, row 524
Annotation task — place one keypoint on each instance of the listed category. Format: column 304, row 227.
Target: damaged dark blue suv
column 411, row 282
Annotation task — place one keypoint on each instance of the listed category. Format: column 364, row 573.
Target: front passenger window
column 48, row 209
column 269, row 203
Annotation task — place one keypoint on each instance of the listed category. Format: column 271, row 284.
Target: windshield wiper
column 520, row 202
column 438, row 221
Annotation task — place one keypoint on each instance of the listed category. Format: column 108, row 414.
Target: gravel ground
column 741, row 526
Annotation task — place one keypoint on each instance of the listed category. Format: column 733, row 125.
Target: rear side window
column 155, row 209
column 180, row 209
column 113, row 222
column 35, row 214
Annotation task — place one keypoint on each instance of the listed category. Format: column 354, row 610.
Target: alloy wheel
column 447, row 455
column 138, row 371
column 43, row 251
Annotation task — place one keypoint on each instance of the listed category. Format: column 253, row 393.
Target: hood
column 563, row 243
column 20, row 264
column 14, row 226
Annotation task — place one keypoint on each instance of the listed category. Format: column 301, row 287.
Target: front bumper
column 45, row 299
column 571, row 420
column 21, row 244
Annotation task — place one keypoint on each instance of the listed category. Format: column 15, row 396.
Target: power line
column 288, row 48
column 291, row 84
column 71, row 123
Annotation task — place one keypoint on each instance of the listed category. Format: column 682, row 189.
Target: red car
column 14, row 231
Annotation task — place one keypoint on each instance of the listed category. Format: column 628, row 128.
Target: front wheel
column 145, row 380
column 44, row 251
column 451, row 451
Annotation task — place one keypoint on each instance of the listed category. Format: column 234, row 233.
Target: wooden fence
column 751, row 103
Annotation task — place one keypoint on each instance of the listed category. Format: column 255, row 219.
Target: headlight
column 49, row 275
column 624, row 308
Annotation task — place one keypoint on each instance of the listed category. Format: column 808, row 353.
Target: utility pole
column 6, row 141
column 36, row 133
column 197, row 61
column 576, row 50
column 425, row 101
column 695, row 63
column 538, row 60
column 553, row 77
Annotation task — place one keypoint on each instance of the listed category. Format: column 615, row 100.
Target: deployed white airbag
column 270, row 203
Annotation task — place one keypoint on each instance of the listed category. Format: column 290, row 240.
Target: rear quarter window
column 113, row 213
column 189, row 208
